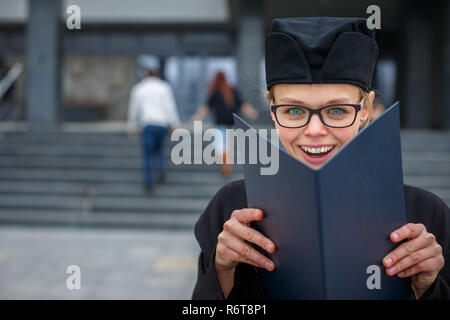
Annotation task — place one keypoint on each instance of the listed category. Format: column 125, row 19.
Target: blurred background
column 70, row 177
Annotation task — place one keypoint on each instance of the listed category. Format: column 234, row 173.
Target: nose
column 315, row 127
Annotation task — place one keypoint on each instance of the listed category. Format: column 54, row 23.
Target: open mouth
column 317, row 152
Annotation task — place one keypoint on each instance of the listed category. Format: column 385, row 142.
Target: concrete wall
column 98, row 82
column 130, row 11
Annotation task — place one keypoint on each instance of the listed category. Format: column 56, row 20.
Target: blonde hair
column 368, row 104
column 364, row 95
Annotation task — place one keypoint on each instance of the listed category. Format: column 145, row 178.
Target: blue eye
column 336, row 111
column 295, row 111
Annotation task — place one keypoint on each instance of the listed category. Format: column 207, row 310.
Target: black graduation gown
column 421, row 207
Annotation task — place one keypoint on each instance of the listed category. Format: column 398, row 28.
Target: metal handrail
column 10, row 78
column 6, row 83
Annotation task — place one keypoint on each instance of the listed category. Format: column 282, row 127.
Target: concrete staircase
column 95, row 179
column 426, row 161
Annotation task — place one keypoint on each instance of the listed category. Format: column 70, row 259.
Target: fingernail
column 269, row 247
column 395, row 236
column 268, row 265
column 388, row 262
column 391, row 270
column 400, row 274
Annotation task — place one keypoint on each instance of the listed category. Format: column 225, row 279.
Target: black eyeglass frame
column 357, row 107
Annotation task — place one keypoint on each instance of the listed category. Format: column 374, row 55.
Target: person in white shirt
column 153, row 113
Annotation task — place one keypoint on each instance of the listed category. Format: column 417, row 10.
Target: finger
column 408, row 248
column 408, row 231
column 248, row 253
column 225, row 257
column 429, row 265
column 415, row 258
column 249, row 234
column 228, row 258
column 247, row 215
column 239, row 258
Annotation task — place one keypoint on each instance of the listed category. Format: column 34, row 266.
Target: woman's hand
column 249, row 111
column 234, row 246
column 419, row 258
column 201, row 113
column 234, row 242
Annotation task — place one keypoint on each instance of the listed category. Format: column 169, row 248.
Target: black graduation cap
column 321, row 50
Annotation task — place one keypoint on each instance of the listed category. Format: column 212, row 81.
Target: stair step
column 100, row 219
column 425, row 181
column 94, row 163
column 413, row 166
column 110, row 204
column 71, row 150
column 103, row 189
column 430, row 157
column 424, row 168
column 112, row 176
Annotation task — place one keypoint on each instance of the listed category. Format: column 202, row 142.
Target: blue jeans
column 152, row 140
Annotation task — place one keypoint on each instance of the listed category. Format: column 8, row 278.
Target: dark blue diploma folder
column 331, row 226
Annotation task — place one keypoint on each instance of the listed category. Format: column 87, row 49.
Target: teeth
column 317, row 150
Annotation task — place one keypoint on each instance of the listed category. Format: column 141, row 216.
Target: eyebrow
column 289, row 100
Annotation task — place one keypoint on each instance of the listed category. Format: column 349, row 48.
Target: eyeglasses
column 335, row 116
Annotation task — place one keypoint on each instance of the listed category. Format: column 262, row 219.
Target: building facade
column 86, row 74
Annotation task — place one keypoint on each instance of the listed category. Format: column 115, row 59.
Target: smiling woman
column 319, row 79
column 333, row 117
